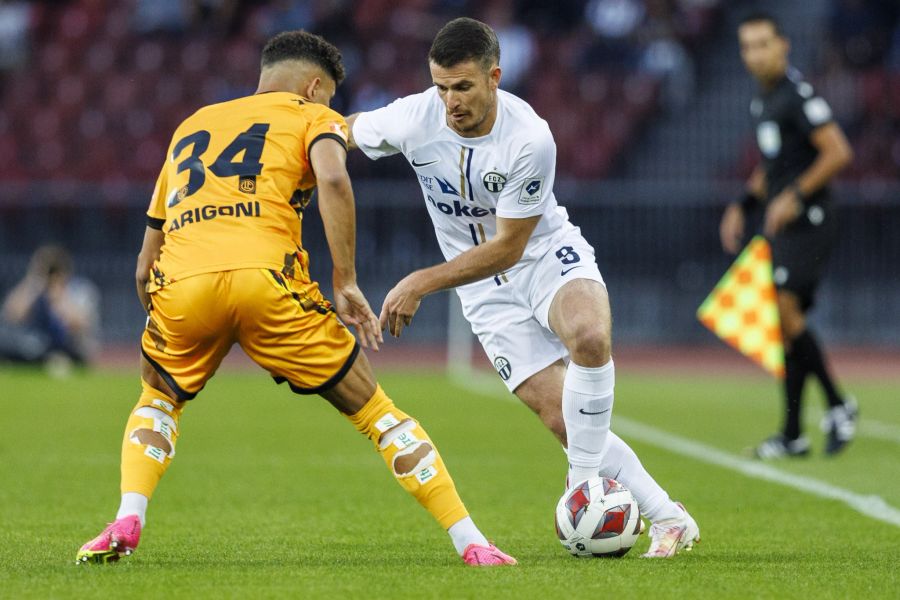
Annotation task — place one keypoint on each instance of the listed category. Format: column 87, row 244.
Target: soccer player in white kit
column 527, row 279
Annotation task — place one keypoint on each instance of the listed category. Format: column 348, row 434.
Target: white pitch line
column 869, row 505
column 872, row 506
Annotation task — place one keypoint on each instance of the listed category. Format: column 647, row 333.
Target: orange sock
column 149, row 442
column 411, row 456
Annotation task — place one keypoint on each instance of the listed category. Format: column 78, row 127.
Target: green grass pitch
column 274, row 495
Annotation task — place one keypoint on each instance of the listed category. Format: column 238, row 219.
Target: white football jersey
column 467, row 181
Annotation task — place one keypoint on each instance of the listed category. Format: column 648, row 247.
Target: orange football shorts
column 285, row 325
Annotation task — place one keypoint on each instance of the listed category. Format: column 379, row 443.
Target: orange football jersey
column 235, row 182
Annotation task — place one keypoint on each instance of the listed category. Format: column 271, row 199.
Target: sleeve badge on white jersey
column 531, row 190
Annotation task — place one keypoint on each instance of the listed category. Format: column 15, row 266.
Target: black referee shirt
column 784, row 117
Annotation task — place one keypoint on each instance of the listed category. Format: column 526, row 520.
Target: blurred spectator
column 15, row 27
column 614, row 22
column 667, row 60
column 50, row 316
column 615, row 19
column 517, row 45
column 664, row 57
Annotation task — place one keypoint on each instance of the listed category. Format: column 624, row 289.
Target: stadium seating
column 102, row 90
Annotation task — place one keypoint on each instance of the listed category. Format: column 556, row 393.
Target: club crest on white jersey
column 467, row 183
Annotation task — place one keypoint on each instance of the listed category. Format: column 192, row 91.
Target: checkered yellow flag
column 743, row 311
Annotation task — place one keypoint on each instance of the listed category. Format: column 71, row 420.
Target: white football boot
column 668, row 537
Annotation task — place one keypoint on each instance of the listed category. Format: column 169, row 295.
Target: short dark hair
column 465, row 39
column 303, row 45
column 762, row 17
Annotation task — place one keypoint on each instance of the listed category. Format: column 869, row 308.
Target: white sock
column 622, row 464
column 464, row 532
column 587, row 403
column 133, row 504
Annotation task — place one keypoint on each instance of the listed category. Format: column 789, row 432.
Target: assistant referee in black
column 803, row 149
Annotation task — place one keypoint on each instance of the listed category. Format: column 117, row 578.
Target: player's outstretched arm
column 485, row 260
column 150, row 250
column 328, row 158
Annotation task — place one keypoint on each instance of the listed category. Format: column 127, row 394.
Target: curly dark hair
column 465, row 39
column 303, row 45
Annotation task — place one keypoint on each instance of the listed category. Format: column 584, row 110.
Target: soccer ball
column 598, row 517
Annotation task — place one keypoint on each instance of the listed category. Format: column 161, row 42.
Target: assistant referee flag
column 742, row 309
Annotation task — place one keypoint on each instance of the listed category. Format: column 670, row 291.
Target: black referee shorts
column 800, row 252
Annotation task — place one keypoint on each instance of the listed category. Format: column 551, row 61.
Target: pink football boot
column 477, row 555
column 119, row 539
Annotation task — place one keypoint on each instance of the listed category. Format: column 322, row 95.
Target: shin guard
column 149, row 442
column 411, row 457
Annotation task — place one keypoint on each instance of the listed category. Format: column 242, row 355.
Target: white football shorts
column 511, row 320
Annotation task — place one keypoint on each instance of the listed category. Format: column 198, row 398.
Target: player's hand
column 143, row 295
column 353, row 309
column 400, row 305
column 731, row 229
column 783, row 209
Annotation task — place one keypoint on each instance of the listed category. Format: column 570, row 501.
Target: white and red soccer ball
column 598, row 517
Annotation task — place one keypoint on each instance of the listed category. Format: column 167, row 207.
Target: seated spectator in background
column 50, row 316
